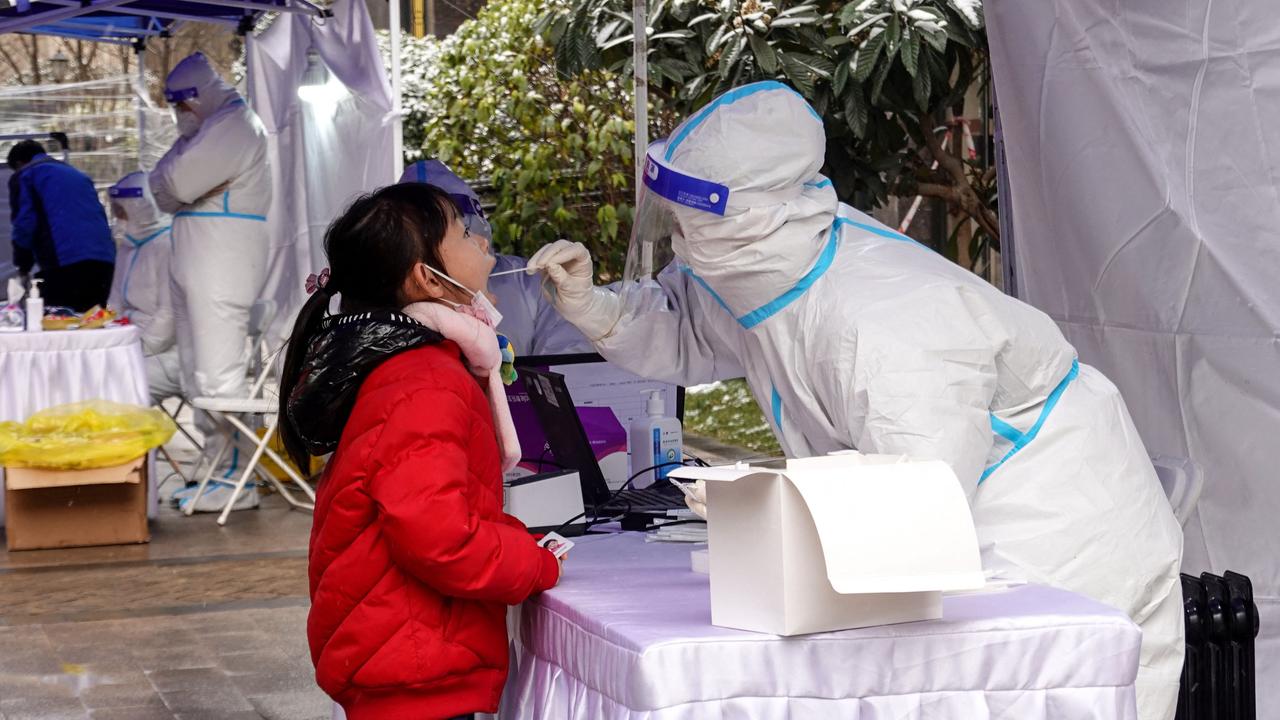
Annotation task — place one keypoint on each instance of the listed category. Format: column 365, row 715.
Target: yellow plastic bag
column 277, row 444
column 82, row 436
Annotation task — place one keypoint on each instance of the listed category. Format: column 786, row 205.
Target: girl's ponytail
column 304, row 329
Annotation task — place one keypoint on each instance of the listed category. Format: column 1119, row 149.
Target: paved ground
column 201, row 623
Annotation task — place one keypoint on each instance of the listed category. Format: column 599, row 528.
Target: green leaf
column 923, row 87
column 730, row 56
column 841, row 77
column 796, row 21
column 820, row 65
column 672, row 35
column 866, row 58
column 910, row 52
column 936, row 40
column 703, row 18
column 849, row 12
column 855, row 111
column 801, row 9
column 764, row 54
column 878, row 83
column 800, row 74
column 893, row 36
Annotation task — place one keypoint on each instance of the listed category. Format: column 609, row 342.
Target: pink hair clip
column 317, row 282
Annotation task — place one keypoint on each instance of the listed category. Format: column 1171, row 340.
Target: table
column 41, row 370
column 628, row 635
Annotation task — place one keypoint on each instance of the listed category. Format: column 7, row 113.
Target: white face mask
column 188, row 123
column 478, row 300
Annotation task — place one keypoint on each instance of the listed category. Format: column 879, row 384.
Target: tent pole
column 140, row 53
column 397, row 145
column 640, row 73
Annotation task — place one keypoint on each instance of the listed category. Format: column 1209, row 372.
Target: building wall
column 449, row 14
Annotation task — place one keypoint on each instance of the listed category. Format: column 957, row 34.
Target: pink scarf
column 479, row 344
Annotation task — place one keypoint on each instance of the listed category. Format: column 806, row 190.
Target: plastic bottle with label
column 654, row 441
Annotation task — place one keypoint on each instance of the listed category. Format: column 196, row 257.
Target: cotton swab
column 509, row 272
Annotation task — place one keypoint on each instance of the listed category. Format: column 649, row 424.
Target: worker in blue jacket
column 60, row 225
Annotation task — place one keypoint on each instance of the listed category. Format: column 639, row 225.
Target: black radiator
column 1221, row 623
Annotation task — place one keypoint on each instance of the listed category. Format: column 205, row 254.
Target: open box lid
column 885, row 524
column 36, row 478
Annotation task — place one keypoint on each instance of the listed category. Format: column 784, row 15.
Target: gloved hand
column 697, row 499
column 568, row 267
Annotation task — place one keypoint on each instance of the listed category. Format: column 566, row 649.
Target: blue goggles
column 125, row 192
column 176, row 96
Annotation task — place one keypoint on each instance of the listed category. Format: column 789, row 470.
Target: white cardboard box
column 837, row 542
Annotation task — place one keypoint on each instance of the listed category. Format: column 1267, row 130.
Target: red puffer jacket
column 413, row 561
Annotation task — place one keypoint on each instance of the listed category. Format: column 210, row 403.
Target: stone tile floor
column 201, row 623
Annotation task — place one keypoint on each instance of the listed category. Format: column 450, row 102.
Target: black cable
column 697, row 460
column 595, row 507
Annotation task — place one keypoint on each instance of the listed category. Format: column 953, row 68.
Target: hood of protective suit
column 437, row 174
column 339, row 357
column 194, row 81
column 144, row 220
column 762, row 139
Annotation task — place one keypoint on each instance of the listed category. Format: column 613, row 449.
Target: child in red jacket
column 412, row 560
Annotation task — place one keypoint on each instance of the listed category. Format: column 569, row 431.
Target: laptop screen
column 607, row 400
column 565, row 437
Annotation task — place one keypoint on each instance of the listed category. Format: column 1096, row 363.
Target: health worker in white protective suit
column 529, row 321
column 744, row 264
column 217, row 183
column 141, row 289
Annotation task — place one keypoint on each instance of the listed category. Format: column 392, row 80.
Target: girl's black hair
column 371, row 248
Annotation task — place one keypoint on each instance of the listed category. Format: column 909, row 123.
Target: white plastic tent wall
column 323, row 153
column 1143, row 149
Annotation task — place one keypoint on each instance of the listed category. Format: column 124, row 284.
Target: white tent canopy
column 325, row 150
column 1143, row 153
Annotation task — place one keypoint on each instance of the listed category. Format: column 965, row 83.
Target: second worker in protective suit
column 744, row 263
column 216, row 182
column 142, row 287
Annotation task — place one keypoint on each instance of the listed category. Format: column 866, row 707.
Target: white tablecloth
column 628, row 634
column 41, row 370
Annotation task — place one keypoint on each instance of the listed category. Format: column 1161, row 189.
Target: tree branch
column 942, row 192
column 17, row 71
column 948, row 162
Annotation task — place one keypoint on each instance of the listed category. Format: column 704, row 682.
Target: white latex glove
column 568, row 266
column 697, row 499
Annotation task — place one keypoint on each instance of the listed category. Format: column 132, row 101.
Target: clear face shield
column 120, row 201
column 667, row 197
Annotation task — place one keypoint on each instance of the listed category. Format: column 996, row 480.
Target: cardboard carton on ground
column 836, row 542
column 74, row 508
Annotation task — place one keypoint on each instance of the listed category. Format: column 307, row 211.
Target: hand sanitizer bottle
column 655, row 440
column 35, row 307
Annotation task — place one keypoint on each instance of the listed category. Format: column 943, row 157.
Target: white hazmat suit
column 217, row 183
column 853, row 336
column 141, row 289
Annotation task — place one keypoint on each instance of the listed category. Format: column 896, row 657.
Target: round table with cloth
column 44, row 369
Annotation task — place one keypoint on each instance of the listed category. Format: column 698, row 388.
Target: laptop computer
column 568, row 442
column 608, row 399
